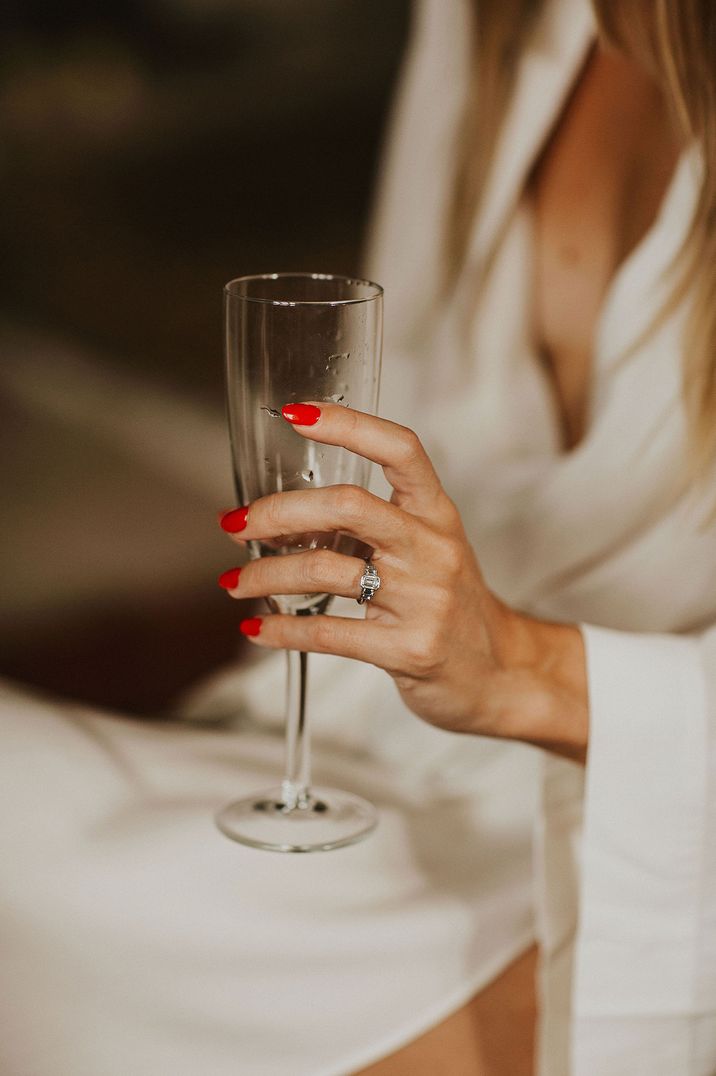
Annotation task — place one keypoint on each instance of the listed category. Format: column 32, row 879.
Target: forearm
column 538, row 691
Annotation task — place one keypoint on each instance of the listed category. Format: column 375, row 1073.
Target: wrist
column 537, row 691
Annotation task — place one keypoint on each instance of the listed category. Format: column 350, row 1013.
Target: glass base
column 326, row 819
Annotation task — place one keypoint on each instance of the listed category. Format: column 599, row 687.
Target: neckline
column 549, row 72
column 570, row 373
column 616, row 331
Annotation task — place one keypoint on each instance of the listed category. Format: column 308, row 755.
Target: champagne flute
column 292, row 337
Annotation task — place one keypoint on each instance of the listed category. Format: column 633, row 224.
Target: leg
column 493, row 1035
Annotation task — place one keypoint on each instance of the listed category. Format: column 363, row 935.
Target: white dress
column 135, row 939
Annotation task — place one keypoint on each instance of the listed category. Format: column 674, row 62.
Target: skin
column 595, row 190
column 493, row 1034
column 473, row 664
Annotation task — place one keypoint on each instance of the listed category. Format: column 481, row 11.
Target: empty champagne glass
column 292, row 337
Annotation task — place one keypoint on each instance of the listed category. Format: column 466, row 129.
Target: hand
column 460, row 658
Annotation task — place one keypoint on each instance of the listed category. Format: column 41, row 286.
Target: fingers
column 363, row 640
column 396, row 448
column 319, row 571
column 348, row 509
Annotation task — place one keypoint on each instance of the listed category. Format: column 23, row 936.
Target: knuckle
column 422, row 656
column 451, row 513
column 272, row 512
column 351, row 502
column 441, row 603
column 453, row 557
column 351, row 418
column 409, row 445
column 318, row 567
column 322, row 634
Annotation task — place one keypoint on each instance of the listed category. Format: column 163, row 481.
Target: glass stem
column 295, row 788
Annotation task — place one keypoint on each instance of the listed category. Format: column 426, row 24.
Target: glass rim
column 231, row 294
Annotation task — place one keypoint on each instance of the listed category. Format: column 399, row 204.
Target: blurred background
column 150, row 151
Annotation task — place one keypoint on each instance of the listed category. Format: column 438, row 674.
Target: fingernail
column 229, row 580
column 234, row 521
column 252, row 626
column 301, row 414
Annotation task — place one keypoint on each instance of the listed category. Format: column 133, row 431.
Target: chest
column 594, row 191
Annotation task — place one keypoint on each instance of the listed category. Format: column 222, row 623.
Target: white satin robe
column 135, row 939
column 607, row 535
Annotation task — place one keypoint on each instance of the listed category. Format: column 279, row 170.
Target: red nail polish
column 301, row 414
column 229, row 580
column 252, row 626
column 234, row 521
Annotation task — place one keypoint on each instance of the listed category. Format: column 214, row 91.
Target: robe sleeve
column 644, row 977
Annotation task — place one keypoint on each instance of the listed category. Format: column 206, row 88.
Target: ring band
column 369, row 583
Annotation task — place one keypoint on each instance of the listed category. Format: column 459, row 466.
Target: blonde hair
column 677, row 41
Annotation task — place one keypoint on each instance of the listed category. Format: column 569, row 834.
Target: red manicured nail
column 234, row 521
column 301, row 414
column 252, row 626
column 229, row 580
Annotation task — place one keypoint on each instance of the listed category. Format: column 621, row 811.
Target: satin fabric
column 608, row 534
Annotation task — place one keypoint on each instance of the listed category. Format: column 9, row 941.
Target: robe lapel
column 546, row 76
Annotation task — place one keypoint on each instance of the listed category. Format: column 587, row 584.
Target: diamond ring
column 369, row 583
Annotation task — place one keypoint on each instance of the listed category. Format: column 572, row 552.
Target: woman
column 587, row 204
column 538, row 345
